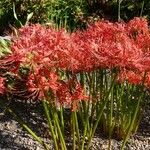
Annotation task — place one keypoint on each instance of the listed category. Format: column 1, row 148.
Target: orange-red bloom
column 102, row 45
column 2, row 87
column 42, row 83
column 70, row 96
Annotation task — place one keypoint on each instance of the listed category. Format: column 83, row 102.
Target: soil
column 14, row 137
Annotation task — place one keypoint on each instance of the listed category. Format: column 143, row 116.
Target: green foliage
column 109, row 9
column 62, row 12
column 132, row 8
column 4, row 46
column 68, row 13
column 71, row 14
column 22, row 10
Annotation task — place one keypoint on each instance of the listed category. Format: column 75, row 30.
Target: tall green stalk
column 137, row 108
column 62, row 120
column 119, row 9
column 29, row 130
column 75, row 131
column 132, row 123
column 51, row 128
column 62, row 140
column 111, row 119
column 142, row 8
column 92, row 132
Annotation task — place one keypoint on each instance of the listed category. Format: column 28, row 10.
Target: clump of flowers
column 93, row 73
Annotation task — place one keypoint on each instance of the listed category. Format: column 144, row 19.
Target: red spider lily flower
column 147, row 81
column 138, row 30
column 2, row 87
column 102, row 45
column 38, row 44
column 130, row 76
column 53, row 81
column 70, row 96
column 37, row 83
column 83, row 59
column 137, row 26
column 41, row 84
column 142, row 42
column 51, row 76
column 10, row 63
column 77, row 96
column 143, row 63
column 106, row 45
column 63, row 94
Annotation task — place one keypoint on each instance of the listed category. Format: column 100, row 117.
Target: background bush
column 56, row 11
column 23, row 8
column 109, row 8
column 70, row 13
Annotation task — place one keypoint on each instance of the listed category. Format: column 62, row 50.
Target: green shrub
column 22, row 9
column 68, row 13
column 71, row 14
column 108, row 9
column 62, row 12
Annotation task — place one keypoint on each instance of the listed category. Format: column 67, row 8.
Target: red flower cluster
column 103, row 44
column 130, row 76
column 47, row 51
column 70, row 93
column 41, row 80
column 106, row 45
column 37, row 44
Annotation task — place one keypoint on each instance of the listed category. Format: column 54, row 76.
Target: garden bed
column 14, row 137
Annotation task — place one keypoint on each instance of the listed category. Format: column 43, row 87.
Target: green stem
column 73, row 132
column 85, row 132
column 50, row 124
column 142, row 8
column 110, row 121
column 132, row 122
column 134, row 115
column 63, row 144
column 33, row 134
column 62, row 119
column 77, row 127
column 119, row 9
column 100, row 113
